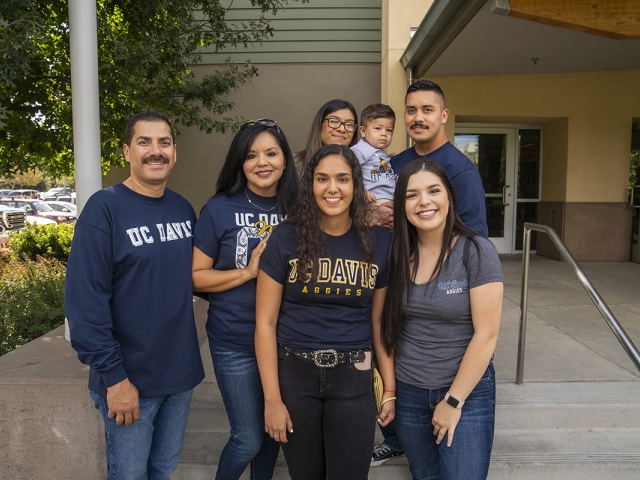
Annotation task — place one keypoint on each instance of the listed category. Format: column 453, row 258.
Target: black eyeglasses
column 336, row 123
column 267, row 122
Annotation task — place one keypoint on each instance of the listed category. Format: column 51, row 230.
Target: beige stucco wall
column 289, row 93
column 398, row 17
column 555, row 153
column 598, row 107
column 587, row 120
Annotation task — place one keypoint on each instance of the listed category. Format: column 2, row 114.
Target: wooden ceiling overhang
column 617, row 19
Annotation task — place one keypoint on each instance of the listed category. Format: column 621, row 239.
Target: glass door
column 493, row 152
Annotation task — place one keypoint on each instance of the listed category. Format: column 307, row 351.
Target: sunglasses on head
column 267, row 122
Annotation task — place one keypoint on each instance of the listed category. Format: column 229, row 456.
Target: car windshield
column 41, row 207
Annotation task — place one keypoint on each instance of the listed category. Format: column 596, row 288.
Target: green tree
column 146, row 53
column 29, row 179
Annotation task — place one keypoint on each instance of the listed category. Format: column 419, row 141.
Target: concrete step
column 568, row 405
column 566, row 454
column 551, row 430
column 201, row 452
column 542, row 405
column 567, row 431
column 517, row 455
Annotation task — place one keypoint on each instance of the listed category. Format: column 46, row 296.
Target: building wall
column 318, row 31
column 398, row 17
column 289, row 93
column 599, row 108
column 555, row 154
column 320, row 50
column 586, row 120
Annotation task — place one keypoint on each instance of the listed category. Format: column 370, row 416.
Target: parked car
column 61, row 206
column 5, row 192
column 56, row 192
column 38, row 208
column 11, row 218
column 24, row 193
column 40, row 220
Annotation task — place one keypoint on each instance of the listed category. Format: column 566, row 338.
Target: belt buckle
column 320, row 352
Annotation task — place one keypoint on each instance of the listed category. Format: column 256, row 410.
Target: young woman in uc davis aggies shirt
column 256, row 187
column 321, row 287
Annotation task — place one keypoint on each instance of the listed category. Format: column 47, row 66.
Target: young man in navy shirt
column 424, row 117
column 128, row 298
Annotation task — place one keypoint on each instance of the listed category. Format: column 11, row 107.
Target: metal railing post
column 612, row 321
column 524, row 302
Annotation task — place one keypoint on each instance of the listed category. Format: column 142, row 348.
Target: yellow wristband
column 386, row 400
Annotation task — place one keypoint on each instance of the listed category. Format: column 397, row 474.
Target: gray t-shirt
column 437, row 327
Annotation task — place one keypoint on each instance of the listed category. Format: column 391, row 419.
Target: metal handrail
column 613, row 323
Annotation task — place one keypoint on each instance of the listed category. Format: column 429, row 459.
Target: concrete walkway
column 567, row 338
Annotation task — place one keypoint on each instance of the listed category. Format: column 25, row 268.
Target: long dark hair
column 306, row 213
column 314, row 141
column 232, row 178
column 404, row 249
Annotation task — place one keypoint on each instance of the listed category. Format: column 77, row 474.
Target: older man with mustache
column 424, row 117
column 129, row 301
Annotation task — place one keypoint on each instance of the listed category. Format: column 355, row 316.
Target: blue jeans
column 149, row 448
column 469, row 455
column 239, row 382
column 390, row 437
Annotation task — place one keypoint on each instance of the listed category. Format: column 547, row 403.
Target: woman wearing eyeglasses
column 256, row 188
column 334, row 124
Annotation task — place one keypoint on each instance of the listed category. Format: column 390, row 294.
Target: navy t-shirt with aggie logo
column 334, row 310
column 228, row 230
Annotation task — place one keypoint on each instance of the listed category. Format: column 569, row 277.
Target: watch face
column 453, row 401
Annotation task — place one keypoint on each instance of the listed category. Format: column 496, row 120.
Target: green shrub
column 48, row 241
column 31, row 300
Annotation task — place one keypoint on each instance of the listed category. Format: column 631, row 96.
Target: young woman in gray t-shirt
column 441, row 321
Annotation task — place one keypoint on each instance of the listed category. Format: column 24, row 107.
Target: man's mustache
column 156, row 158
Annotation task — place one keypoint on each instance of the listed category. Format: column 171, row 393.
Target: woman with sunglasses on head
column 256, row 188
column 441, row 320
column 334, row 124
column 320, row 293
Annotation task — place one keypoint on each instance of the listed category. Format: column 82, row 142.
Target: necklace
column 131, row 185
column 258, row 206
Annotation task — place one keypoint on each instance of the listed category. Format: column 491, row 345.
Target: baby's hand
column 370, row 196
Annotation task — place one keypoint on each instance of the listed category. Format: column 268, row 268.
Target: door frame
column 507, row 244
column 635, row 247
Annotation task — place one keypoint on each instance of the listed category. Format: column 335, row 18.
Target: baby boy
column 376, row 130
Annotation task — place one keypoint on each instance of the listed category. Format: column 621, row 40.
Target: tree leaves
column 146, row 52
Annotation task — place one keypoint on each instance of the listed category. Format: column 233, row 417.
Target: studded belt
column 329, row 358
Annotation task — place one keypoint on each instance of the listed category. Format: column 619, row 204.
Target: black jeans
column 333, row 416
